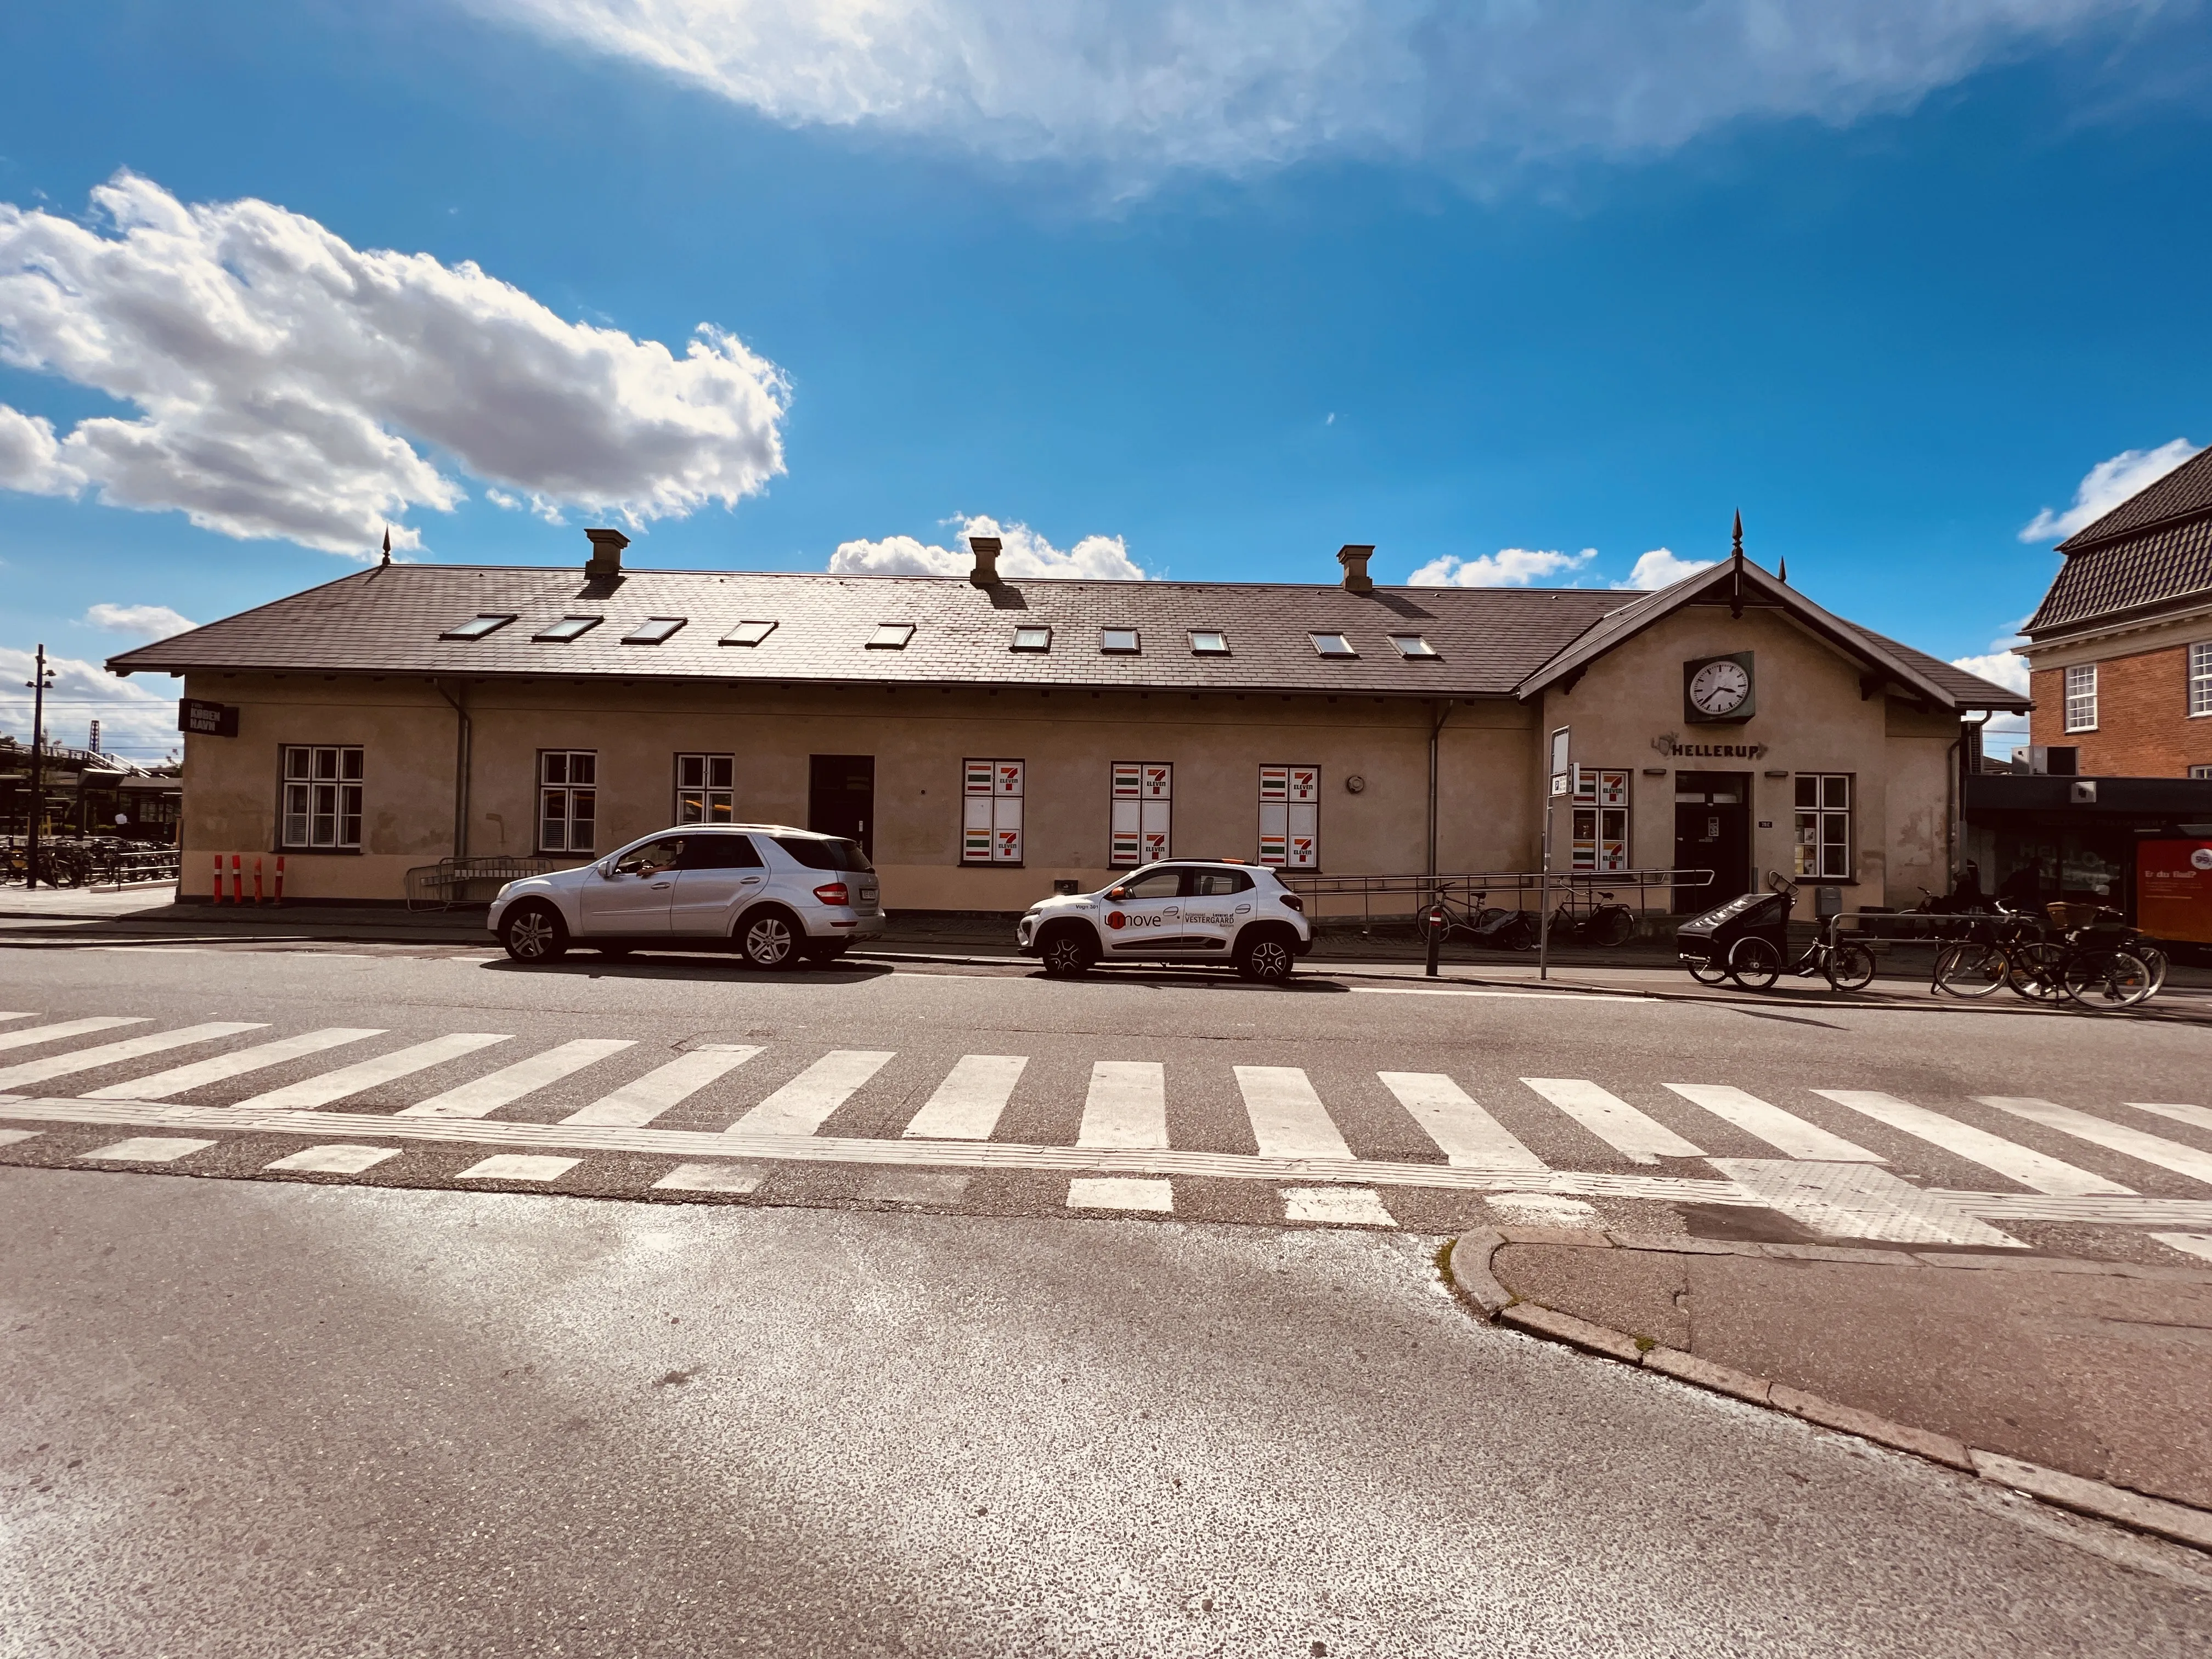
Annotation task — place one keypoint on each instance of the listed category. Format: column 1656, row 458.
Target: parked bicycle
column 2098, row 960
column 1497, row 928
column 1748, row 939
column 1596, row 919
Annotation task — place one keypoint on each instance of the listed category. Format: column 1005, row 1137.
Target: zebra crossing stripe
column 2032, row 1170
column 637, row 1103
column 56, row 1033
column 112, row 1053
column 484, row 1095
column 146, row 1149
column 1127, row 1106
column 968, row 1104
column 2114, row 1137
column 313, row 1091
column 178, row 1079
column 1288, row 1119
column 333, row 1160
column 2197, row 1244
column 1783, row 1131
column 1613, row 1119
column 2198, row 1116
column 1121, row 1193
column 15, row 1016
column 1469, row 1136
column 803, row 1105
column 517, row 1166
column 1337, row 1206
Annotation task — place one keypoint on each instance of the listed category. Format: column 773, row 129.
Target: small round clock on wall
column 1718, row 688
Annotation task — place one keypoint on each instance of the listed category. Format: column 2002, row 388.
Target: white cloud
column 2001, row 666
column 1660, row 568
column 2106, row 485
column 1025, row 554
column 1147, row 86
column 145, row 621
column 134, row 723
column 1509, row 567
column 285, row 379
column 2003, row 732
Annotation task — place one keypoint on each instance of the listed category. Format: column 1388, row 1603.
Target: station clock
column 1719, row 691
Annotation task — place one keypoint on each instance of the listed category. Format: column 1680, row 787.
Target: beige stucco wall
column 1812, row 718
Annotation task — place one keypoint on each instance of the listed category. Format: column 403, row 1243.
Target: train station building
column 985, row 738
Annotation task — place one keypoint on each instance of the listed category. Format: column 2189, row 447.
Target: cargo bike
column 1747, row 940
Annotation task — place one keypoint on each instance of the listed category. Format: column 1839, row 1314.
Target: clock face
column 1719, row 688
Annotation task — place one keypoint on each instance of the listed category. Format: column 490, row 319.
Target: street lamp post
column 41, row 677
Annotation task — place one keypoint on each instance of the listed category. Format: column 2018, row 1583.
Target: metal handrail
column 444, row 884
column 1406, row 897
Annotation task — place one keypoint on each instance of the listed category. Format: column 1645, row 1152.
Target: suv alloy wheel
column 767, row 939
column 533, row 933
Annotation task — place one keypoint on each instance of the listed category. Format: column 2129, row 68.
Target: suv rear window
column 826, row 854
column 719, row 853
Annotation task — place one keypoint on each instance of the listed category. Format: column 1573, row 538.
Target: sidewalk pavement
column 2081, row 1382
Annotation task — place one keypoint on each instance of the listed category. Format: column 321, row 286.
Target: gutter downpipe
column 1438, row 716
column 463, row 739
column 1953, row 803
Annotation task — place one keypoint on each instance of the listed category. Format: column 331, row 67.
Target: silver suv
column 776, row 895
column 1186, row 910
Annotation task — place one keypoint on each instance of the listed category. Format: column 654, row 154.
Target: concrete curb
column 1469, row 1268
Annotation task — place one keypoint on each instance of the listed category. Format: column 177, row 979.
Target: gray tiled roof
column 2181, row 494
column 2169, row 564
column 387, row 621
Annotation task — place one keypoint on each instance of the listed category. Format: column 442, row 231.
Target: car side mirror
column 1117, row 893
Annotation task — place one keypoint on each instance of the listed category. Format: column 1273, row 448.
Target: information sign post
column 1562, row 783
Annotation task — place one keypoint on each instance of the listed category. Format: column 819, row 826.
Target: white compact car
column 1189, row 910
column 776, row 895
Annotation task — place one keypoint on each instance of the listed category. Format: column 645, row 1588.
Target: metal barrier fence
column 1462, row 896
column 452, row 882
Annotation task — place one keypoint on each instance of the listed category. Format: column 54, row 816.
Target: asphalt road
column 865, row 1406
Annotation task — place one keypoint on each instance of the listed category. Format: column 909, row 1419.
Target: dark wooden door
column 840, row 797
column 1713, row 831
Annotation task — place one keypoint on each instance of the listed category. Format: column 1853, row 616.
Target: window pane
column 583, row 766
column 719, row 808
column 349, row 815
column 583, row 807
column 690, row 771
column 296, row 763
column 1836, row 791
column 719, row 769
column 349, row 765
column 1117, row 638
column 1032, row 639
column 1808, row 790
column 327, row 763
column 1332, row 645
column 556, row 767
column 1209, row 643
column 690, row 807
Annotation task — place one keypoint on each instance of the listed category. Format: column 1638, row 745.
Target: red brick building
column 2120, row 651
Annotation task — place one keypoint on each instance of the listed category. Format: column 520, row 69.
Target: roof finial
column 1736, row 571
column 1782, row 569
column 387, row 544
column 1736, row 550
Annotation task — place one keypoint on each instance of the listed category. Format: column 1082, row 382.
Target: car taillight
column 1293, row 901
column 832, row 893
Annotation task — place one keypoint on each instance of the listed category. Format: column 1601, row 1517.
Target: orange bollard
column 215, row 898
column 279, row 899
column 256, row 878
column 237, row 879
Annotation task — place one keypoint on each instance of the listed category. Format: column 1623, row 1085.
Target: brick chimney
column 986, row 550
column 1354, row 557
column 606, row 554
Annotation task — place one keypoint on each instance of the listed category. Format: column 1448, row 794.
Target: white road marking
column 2012, row 1161
column 1127, row 1106
column 111, row 1054
column 1613, row 1119
column 1463, row 1132
column 1288, row 1119
column 1543, row 1210
column 310, row 1092
column 482, row 1097
column 162, row 1085
column 709, row 1178
column 1534, row 996
column 156, row 950
column 639, row 1102
column 1121, row 1193
column 68, row 1028
column 339, row 1160
column 2199, row 1245
column 517, row 1166
column 803, row 1104
column 2196, row 1116
column 1337, row 1206
column 968, row 1104
column 1783, row 1131
column 146, row 1149
column 9, row 1137
column 1859, row 1200
column 7, row 1015
column 2113, row 1136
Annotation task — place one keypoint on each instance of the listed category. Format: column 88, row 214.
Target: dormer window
column 1413, row 645
column 1208, row 642
column 486, row 622
column 890, row 637
column 653, row 630
column 1118, row 641
column 749, row 633
column 1332, row 645
column 569, row 628
column 1032, row 639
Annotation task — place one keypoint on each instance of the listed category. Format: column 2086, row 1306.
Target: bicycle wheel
column 1611, row 925
column 2106, row 980
column 1754, row 963
column 2032, row 971
column 1851, row 967
column 2154, row 959
column 1967, row 969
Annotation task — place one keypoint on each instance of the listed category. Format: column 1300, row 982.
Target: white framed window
column 2200, row 678
column 1824, row 826
column 1144, row 800
column 2081, row 697
column 568, row 800
column 2200, row 771
column 991, row 811
column 706, row 789
column 322, row 797
column 1290, row 817
column 1601, row 819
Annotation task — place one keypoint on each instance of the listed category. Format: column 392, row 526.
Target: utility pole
column 41, row 679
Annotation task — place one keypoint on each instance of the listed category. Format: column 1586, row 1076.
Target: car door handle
column 660, row 884
column 750, row 881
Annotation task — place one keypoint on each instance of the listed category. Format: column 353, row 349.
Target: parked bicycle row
column 88, row 862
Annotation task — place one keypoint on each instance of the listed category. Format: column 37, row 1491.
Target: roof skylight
column 1208, row 642
column 749, row 633
column 1032, row 639
column 1119, row 642
column 892, row 637
column 568, row 628
column 653, row 630
column 1413, row 645
column 485, row 621
column 1332, row 645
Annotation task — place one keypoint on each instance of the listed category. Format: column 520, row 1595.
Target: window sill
column 992, row 864
column 318, row 852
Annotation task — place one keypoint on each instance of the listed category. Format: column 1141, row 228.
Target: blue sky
column 1197, row 292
